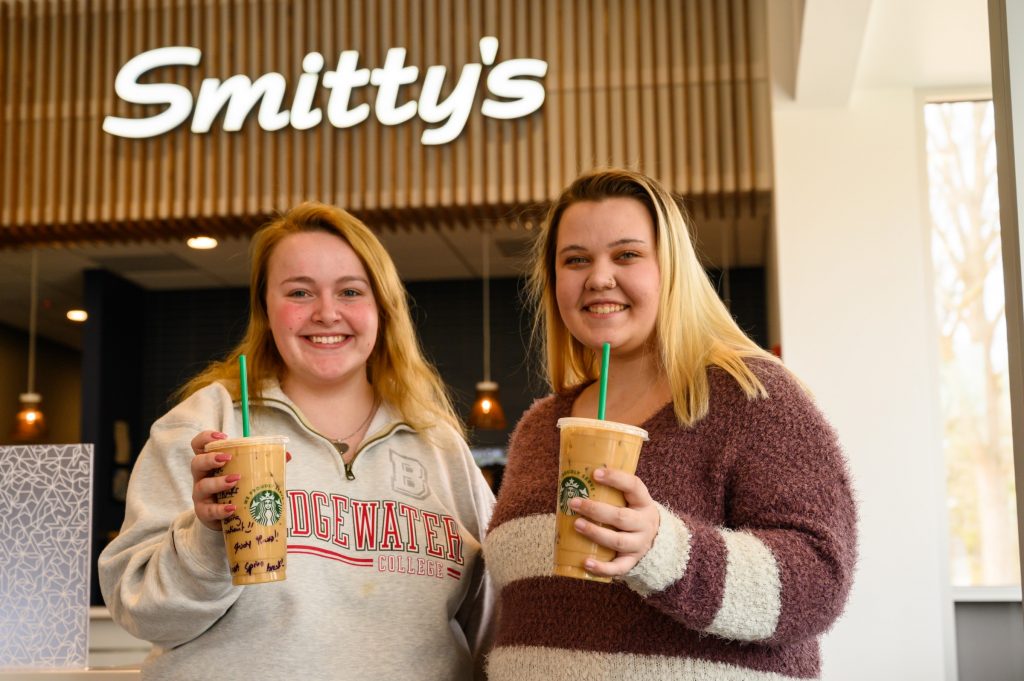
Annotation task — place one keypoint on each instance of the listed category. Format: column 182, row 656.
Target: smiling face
column 606, row 274
column 321, row 309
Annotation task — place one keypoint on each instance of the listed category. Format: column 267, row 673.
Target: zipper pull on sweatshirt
column 342, row 449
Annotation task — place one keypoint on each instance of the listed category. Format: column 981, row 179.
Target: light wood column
column 1006, row 18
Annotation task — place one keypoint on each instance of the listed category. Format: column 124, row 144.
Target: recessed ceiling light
column 202, row 243
column 77, row 315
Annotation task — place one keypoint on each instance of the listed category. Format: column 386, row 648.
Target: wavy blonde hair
column 397, row 370
column 694, row 329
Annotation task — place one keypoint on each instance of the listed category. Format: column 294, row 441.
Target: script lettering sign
column 513, row 90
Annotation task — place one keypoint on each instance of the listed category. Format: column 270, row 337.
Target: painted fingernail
column 229, row 508
column 234, row 477
column 222, row 458
column 219, row 435
column 287, row 457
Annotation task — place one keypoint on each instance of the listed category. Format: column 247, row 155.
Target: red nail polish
column 219, row 436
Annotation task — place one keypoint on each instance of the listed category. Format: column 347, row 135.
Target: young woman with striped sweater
column 737, row 545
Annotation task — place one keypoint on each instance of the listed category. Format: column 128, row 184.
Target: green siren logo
column 265, row 507
column 570, row 488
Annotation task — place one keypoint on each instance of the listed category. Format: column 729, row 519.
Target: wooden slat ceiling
column 677, row 88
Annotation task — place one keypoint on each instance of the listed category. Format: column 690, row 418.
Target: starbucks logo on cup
column 570, row 488
column 265, row 507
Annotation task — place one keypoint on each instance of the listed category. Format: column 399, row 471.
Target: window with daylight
column 974, row 381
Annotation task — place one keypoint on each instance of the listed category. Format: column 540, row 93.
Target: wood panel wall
column 677, row 88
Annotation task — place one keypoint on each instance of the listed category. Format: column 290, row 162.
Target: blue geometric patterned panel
column 45, row 522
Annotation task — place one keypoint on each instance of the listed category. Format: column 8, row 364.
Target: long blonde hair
column 396, row 368
column 694, row 329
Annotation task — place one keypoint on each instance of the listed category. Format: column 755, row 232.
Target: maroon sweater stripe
column 579, row 610
column 701, row 588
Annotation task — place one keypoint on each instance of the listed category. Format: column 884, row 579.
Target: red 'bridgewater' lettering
column 372, row 525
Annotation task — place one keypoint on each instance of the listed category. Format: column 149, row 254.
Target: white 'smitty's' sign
column 513, row 91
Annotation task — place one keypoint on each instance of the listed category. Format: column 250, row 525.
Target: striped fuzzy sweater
column 752, row 562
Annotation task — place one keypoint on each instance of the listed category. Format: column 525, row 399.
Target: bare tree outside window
column 968, row 269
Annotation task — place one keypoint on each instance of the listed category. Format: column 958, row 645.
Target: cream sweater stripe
column 663, row 565
column 753, row 591
column 535, row 663
column 506, row 560
column 666, row 562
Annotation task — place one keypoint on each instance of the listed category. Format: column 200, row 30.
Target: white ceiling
column 867, row 43
column 824, row 50
column 925, row 44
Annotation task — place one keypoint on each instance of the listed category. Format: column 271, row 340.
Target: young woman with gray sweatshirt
column 387, row 509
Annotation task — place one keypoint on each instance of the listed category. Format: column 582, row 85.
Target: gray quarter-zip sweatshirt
column 385, row 579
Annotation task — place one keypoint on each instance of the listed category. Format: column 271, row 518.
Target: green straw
column 605, row 351
column 243, row 377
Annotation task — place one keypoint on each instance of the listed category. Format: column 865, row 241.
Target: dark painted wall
column 184, row 331
column 746, row 299
column 112, row 361
column 449, row 319
column 58, row 380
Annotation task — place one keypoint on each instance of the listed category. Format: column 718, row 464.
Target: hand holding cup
column 206, row 487
column 629, row 531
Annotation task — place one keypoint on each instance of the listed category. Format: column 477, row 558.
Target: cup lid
column 238, row 441
column 576, row 422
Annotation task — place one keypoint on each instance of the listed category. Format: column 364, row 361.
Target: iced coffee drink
column 586, row 445
column 256, row 534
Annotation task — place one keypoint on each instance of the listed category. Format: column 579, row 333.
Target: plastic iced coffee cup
column 255, row 536
column 586, row 445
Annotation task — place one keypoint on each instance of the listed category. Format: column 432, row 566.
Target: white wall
column 856, row 325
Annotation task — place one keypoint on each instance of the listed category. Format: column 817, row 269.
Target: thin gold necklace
column 342, row 445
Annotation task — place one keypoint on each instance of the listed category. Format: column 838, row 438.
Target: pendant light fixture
column 487, row 413
column 29, row 422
